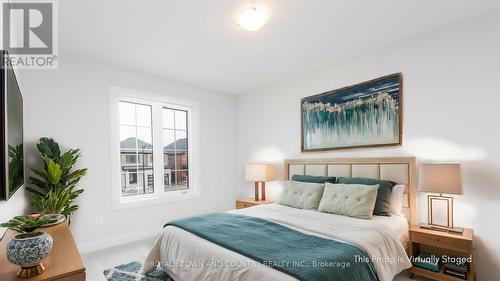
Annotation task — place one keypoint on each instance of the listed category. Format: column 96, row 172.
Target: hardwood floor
column 96, row 262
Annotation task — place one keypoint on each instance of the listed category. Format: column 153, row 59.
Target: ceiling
column 199, row 42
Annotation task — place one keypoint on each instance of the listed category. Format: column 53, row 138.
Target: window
column 175, row 149
column 154, row 148
column 130, row 158
column 136, row 142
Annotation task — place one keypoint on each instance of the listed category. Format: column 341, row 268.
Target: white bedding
column 188, row 257
column 398, row 224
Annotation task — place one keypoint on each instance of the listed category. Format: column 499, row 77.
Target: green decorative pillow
column 353, row 200
column 315, row 179
column 302, row 195
column 383, row 204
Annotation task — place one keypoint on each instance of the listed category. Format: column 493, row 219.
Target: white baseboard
column 116, row 240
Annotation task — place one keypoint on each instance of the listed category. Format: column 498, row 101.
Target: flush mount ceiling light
column 253, row 18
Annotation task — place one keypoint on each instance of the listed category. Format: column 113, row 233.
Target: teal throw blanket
column 303, row 256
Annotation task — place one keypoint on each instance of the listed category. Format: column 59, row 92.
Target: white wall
column 17, row 205
column 71, row 105
column 451, row 113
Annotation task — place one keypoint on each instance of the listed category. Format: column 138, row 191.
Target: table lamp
column 259, row 174
column 440, row 179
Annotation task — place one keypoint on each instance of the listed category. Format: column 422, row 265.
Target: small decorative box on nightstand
column 245, row 203
column 448, row 247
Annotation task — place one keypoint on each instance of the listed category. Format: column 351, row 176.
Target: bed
column 185, row 256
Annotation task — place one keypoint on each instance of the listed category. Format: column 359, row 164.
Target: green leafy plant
column 54, row 188
column 25, row 224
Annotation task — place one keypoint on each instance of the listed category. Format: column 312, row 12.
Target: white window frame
column 157, row 102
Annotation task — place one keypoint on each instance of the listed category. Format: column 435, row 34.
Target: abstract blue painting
column 363, row 115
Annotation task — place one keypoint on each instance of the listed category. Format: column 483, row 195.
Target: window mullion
column 137, row 154
column 158, row 149
column 174, row 170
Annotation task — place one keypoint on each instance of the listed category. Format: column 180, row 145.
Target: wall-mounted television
column 11, row 122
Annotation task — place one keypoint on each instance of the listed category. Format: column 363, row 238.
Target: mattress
column 189, row 257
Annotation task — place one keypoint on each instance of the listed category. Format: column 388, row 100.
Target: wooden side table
column 63, row 264
column 245, row 203
column 441, row 244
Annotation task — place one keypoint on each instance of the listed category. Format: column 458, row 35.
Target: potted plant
column 28, row 248
column 54, row 188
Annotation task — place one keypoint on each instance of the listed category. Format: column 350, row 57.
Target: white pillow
column 302, row 195
column 353, row 200
column 396, row 201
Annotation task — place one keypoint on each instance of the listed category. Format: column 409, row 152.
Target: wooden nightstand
column 441, row 244
column 63, row 264
column 245, row 203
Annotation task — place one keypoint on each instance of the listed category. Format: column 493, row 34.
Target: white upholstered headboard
column 401, row 170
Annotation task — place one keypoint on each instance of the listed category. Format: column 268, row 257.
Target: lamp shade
column 440, row 178
column 259, row 172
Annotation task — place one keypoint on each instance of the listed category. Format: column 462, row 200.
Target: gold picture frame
column 440, row 212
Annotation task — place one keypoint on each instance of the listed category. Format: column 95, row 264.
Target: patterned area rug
column 132, row 272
